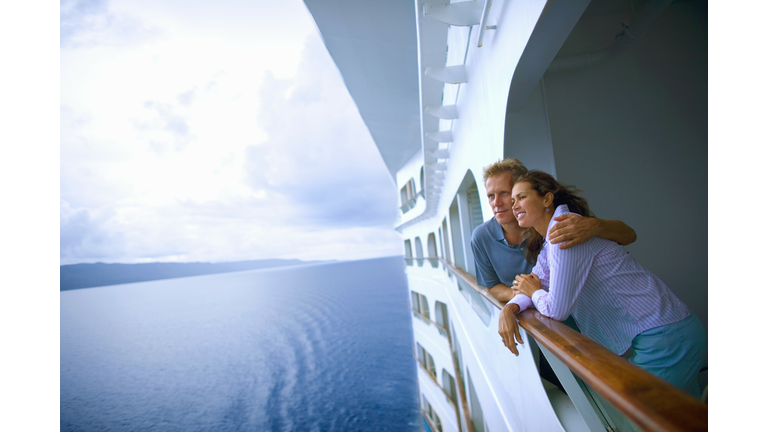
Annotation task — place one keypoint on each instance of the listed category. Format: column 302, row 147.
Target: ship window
column 457, row 356
column 432, row 250
column 465, row 214
column 426, row 360
column 458, row 248
column 475, row 210
column 444, row 241
column 408, row 253
column 449, row 385
column 424, row 309
column 419, row 252
column 421, row 178
column 414, row 300
column 476, row 412
column 430, row 415
column 419, row 303
column 407, row 193
column 441, row 316
column 431, row 365
column 431, row 247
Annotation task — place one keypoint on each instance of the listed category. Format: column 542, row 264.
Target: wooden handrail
column 648, row 401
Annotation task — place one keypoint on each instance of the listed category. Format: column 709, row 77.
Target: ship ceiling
column 603, row 21
column 599, row 25
column 578, row 33
column 374, row 47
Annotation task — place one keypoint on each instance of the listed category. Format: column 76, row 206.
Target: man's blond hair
column 510, row 165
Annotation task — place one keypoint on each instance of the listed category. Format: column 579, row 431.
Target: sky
column 212, row 131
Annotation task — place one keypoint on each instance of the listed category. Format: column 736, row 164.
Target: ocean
column 323, row 347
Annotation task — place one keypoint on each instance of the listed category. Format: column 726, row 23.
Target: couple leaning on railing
column 649, row 402
column 542, row 249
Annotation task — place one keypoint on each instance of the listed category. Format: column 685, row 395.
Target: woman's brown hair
column 544, row 183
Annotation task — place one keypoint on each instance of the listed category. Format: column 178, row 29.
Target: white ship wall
column 625, row 141
column 479, row 131
column 509, row 389
column 428, row 336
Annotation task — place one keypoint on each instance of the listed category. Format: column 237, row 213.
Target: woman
column 612, row 298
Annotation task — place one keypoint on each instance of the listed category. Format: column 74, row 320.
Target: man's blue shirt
column 495, row 260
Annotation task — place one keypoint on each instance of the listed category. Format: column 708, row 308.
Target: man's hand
column 508, row 328
column 571, row 230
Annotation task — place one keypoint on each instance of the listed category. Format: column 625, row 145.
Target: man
column 498, row 245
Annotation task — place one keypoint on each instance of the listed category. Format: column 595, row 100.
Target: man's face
column 499, row 189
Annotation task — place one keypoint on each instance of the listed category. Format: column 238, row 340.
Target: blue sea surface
column 325, row 347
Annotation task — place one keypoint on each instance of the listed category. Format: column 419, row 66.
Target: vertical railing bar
column 596, row 404
column 574, row 392
column 483, row 20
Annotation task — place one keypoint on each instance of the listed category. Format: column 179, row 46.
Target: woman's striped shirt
column 610, row 295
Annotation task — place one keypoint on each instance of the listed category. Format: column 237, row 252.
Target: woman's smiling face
column 529, row 207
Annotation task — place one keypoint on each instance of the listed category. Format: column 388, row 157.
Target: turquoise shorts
column 673, row 352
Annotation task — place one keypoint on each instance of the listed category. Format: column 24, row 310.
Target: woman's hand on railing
column 508, row 328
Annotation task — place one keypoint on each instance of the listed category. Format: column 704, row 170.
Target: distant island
column 74, row 276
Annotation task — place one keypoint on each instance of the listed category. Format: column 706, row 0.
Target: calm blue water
column 313, row 348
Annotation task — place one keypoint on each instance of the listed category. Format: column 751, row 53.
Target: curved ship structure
column 608, row 95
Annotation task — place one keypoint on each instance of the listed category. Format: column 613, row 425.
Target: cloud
column 213, row 232
column 85, row 236
column 318, row 154
column 165, row 128
column 189, row 96
column 86, row 23
column 89, row 164
column 185, row 149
